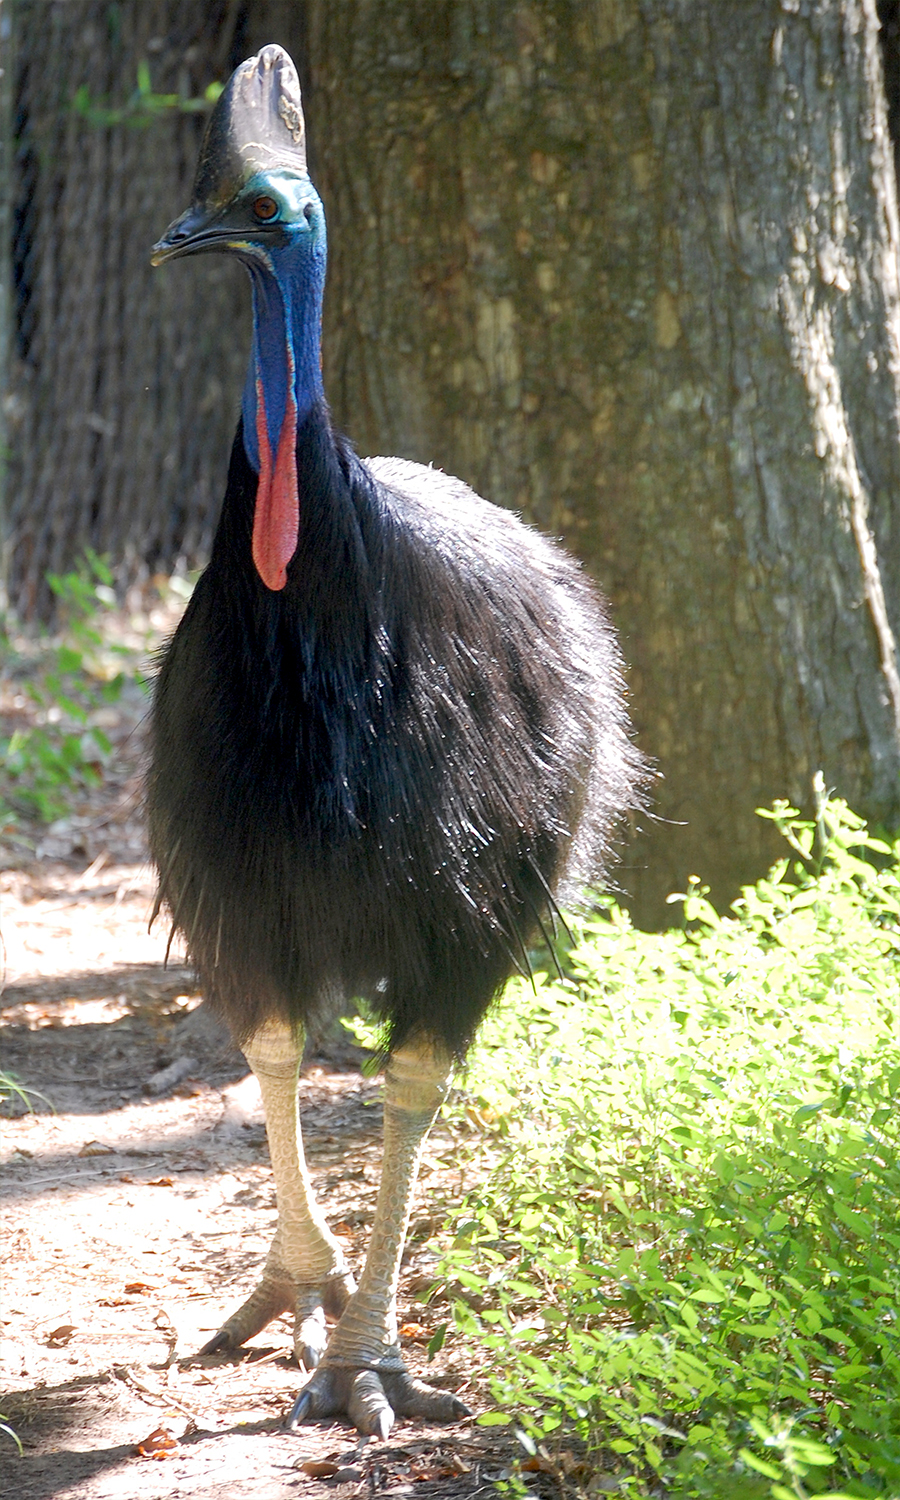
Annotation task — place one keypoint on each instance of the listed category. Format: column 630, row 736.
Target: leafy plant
column 64, row 750
column 684, row 1263
column 144, row 106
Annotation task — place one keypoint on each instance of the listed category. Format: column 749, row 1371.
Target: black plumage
column 378, row 781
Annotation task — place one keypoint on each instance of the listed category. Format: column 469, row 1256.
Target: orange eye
column 265, row 208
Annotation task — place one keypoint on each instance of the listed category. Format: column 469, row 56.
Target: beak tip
column 168, row 247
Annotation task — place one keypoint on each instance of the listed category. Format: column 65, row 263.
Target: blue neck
column 288, row 284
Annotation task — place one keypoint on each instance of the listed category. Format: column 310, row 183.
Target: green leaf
column 760, row 1465
column 436, row 1342
column 531, row 1219
column 809, row 1451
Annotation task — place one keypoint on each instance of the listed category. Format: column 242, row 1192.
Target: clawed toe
column 277, row 1294
column 273, row 1296
column 368, row 1406
column 318, row 1398
column 372, row 1399
column 216, row 1344
column 413, row 1398
column 310, row 1338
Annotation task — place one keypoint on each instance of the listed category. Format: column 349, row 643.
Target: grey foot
column 278, row 1293
column 372, row 1397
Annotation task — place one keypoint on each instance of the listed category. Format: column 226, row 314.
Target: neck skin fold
column 285, row 358
column 283, row 383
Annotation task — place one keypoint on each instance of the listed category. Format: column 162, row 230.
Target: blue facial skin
column 286, row 261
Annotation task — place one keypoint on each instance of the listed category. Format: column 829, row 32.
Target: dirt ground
column 138, row 1206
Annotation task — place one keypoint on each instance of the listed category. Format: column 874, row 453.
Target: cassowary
column 387, row 737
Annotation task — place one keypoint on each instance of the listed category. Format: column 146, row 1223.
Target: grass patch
column 685, row 1265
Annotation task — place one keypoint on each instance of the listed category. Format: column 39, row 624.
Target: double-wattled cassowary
column 388, row 735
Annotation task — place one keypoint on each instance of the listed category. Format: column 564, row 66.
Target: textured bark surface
column 632, row 268
column 6, row 201
column 125, row 383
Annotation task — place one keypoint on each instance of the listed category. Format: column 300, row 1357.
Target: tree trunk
column 6, row 199
column 630, row 266
column 125, row 382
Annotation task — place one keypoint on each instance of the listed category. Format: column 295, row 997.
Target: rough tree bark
column 6, row 201
column 124, row 384
column 630, row 266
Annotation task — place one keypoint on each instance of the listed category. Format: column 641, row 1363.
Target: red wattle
column 276, row 520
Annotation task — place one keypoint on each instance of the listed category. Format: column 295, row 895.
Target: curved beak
column 189, row 234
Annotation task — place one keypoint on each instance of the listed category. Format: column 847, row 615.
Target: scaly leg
column 362, row 1372
column 305, row 1270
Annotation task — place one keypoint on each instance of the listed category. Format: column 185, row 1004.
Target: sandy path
column 133, row 1222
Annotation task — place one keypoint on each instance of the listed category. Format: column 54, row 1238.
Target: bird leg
column 305, row 1270
column 362, row 1372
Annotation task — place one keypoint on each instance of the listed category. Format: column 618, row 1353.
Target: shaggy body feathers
column 377, row 781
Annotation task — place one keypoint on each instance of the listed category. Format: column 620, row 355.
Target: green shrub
column 62, row 751
column 686, row 1261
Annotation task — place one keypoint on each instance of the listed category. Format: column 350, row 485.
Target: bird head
column 252, row 194
column 253, row 198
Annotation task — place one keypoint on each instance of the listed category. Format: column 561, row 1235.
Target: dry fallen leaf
column 161, row 1182
column 571, row 1467
column 61, row 1335
column 318, row 1468
column 160, row 1444
column 95, row 1148
column 415, row 1333
column 138, row 1286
